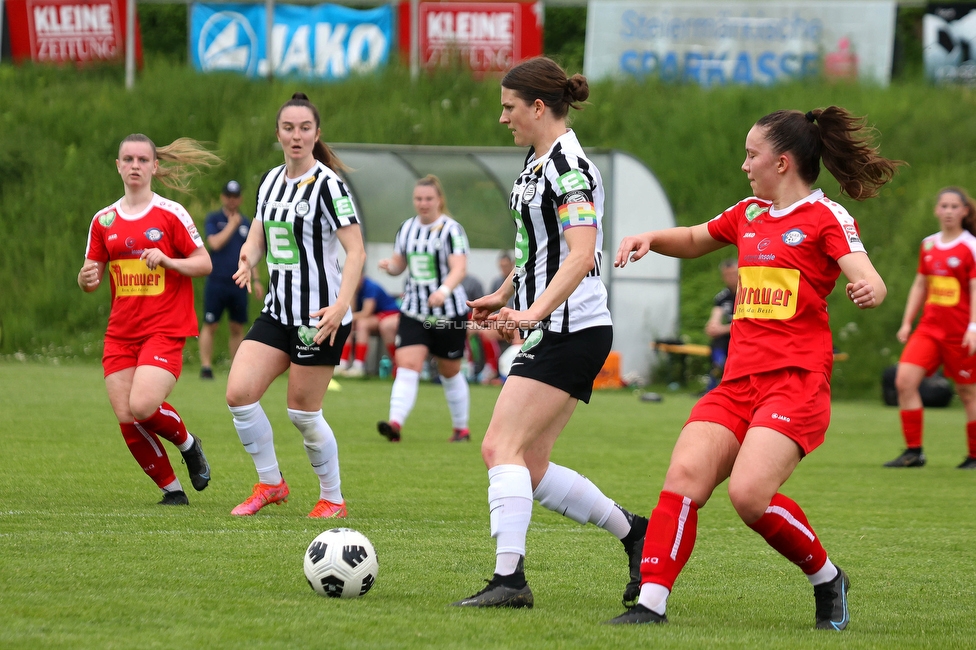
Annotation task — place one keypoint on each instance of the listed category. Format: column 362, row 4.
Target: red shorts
column 792, row 401
column 386, row 314
column 930, row 353
column 165, row 352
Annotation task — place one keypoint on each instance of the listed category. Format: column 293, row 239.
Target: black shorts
column 569, row 362
column 444, row 338
column 289, row 340
column 218, row 296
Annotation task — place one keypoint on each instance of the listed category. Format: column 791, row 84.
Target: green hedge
column 60, row 129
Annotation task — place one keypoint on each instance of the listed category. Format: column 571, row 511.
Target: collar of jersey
column 812, row 197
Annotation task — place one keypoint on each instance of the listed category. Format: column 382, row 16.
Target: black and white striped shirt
column 558, row 190
column 300, row 217
column 426, row 249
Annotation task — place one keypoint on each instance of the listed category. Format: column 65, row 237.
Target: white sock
column 654, row 597
column 571, row 494
column 458, row 399
column 510, row 511
column 404, row 394
column 322, row 450
column 826, row 573
column 186, row 445
column 254, row 430
column 358, row 365
column 173, row 487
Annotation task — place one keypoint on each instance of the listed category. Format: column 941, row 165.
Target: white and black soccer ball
column 341, row 563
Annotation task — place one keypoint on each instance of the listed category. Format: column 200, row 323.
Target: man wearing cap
column 226, row 230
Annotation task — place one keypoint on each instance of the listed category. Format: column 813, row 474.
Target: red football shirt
column 787, row 268
column 144, row 301
column 948, row 269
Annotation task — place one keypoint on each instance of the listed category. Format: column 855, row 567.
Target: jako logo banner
column 322, row 42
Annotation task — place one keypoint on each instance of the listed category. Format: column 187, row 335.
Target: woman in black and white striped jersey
column 304, row 214
column 433, row 248
column 561, row 309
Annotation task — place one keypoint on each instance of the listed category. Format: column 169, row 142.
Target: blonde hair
column 432, row 181
column 186, row 156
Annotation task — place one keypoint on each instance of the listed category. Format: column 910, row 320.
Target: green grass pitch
column 87, row 560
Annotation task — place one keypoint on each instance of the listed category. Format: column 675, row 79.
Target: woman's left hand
column 330, row 319
column 861, row 293
column 969, row 341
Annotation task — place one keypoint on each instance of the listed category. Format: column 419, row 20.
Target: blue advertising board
column 325, row 42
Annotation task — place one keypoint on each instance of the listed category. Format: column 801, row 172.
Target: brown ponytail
column 838, row 138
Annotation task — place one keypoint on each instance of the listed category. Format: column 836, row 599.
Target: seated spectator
column 719, row 325
column 376, row 313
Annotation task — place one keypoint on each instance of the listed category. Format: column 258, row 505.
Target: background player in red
column 773, row 405
column 945, row 292
column 151, row 249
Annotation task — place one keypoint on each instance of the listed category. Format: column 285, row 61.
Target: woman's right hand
column 243, row 276
column 88, row 277
column 903, row 333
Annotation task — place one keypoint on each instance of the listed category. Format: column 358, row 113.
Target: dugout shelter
column 644, row 297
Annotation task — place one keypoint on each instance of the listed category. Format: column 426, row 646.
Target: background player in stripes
column 944, row 291
column 561, row 307
column 433, row 248
column 152, row 249
column 773, row 405
column 304, row 213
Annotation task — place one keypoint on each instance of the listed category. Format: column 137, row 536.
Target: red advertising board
column 482, row 36
column 68, row 31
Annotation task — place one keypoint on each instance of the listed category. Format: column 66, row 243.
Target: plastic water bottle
column 386, row 367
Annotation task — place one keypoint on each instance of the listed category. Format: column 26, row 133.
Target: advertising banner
column 949, row 43
column 68, row 31
column 481, row 36
column 721, row 42
column 321, row 42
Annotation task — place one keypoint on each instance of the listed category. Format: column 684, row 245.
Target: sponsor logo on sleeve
column 572, row 180
column 343, row 207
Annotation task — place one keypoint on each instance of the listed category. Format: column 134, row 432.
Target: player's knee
column 749, row 502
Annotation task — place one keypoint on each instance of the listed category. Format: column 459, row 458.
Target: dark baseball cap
column 232, row 188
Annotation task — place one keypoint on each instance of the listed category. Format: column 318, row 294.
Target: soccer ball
column 340, row 563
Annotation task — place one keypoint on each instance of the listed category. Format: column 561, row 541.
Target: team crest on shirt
column 302, row 208
column 107, row 219
column 529, row 192
column 753, row 210
column 154, row 234
column 794, row 237
column 953, row 262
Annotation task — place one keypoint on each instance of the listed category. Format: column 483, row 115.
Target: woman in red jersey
column 773, row 405
column 944, row 291
column 151, row 250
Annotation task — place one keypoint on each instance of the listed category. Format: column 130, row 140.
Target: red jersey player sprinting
column 773, row 405
column 151, row 249
column 943, row 290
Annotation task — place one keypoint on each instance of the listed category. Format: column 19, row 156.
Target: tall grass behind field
column 89, row 561
column 60, row 131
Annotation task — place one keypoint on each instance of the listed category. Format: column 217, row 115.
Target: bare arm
column 251, row 252
column 683, row 242
column 715, row 327
column 330, row 318
column 394, row 265
column 194, row 265
column 579, row 262
column 458, row 265
column 865, row 288
column 90, row 275
column 218, row 240
column 916, row 298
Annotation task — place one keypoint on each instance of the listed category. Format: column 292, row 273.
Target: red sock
column 911, row 427
column 489, row 348
column 971, row 438
column 167, row 424
column 361, row 349
column 391, row 350
column 148, row 451
column 346, row 351
column 786, row 529
column 669, row 540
